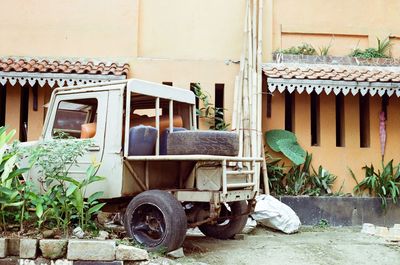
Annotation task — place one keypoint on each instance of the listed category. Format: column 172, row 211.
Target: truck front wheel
column 231, row 221
column 156, row 220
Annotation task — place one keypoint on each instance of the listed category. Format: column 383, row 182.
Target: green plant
column 10, row 184
column 381, row 51
column 324, row 50
column 384, row 184
column 322, row 223
column 322, row 180
column 211, row 114
column 63, row 199
column 286, row 142
column 304, row 49
column 299, row 179
column 85, row 208
column 276, row 173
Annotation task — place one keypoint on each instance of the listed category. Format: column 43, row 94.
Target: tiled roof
column 332, row 72
column 62, row 66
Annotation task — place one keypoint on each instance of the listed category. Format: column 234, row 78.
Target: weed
column 322, row 223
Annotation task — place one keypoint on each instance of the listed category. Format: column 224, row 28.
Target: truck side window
column 75, row 119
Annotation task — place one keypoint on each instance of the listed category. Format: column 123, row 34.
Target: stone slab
column 124, row 252
column 28, row 248
column 13, row 246
column 103, row 250
column 53, row 248
column 9, row 261
column 3, row 247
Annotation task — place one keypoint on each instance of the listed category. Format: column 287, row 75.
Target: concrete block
column 103, row 250
column 3, row 247
column 116, row 262
column 28, row 248
column 368, row 228
column 53, row 248
column 63, row 262
column 130, row 253
column 13, row 246
column 381, row 231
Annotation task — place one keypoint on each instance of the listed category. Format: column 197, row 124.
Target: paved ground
column 310, row 246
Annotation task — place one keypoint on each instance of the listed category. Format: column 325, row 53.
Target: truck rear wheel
column 227, row 227
column 156, row 220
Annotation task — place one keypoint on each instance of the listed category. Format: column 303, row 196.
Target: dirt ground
column 310, row 246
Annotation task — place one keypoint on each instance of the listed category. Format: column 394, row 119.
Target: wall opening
column 340, row 127
column 167, row 83
column 384, row 105
column 197, row 102
column 289, row 111
column 363, row 103
column 269, row 105
column 315, row 119
column 24, row 110
column 219, row 104
column 3, row 95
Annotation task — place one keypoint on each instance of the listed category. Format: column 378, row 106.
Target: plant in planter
column 304, row 49
column 384, row 184
column 300, row 178
column 381, row 51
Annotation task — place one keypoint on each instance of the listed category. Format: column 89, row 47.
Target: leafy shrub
column 299, row 179
column 304, row 49
column 384, row 184
column 286, row 142
column 63, row 199
column 381, row 51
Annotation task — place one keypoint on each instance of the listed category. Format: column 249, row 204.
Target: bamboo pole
column 260, row 74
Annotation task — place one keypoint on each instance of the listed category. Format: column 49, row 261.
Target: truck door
column 78, row 117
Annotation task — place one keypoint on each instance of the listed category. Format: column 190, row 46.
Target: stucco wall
column 184, row 41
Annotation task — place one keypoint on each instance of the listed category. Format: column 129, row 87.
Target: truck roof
column 136, row 86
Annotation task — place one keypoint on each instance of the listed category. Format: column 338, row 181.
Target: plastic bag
column 275, row 214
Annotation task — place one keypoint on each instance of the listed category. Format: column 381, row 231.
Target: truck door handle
column 93, row 148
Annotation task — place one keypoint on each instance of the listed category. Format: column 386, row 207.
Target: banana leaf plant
column 10, row 196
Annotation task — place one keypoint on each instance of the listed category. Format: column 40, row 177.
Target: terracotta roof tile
column 332, row 72
column 59, row 66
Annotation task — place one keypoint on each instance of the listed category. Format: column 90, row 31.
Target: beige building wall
column 184, row 41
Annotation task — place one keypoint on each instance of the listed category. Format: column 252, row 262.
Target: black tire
column 203, row 143
column 227, row 228
column 156, row 220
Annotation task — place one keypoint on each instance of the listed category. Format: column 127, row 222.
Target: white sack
column 275, row 214
column 250, row 225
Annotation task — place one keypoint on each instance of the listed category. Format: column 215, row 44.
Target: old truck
column 145, row 137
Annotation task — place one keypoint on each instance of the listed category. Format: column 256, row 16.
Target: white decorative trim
column 54, row 79
column 337, row 87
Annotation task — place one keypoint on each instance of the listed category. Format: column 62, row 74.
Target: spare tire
column 203, row 143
